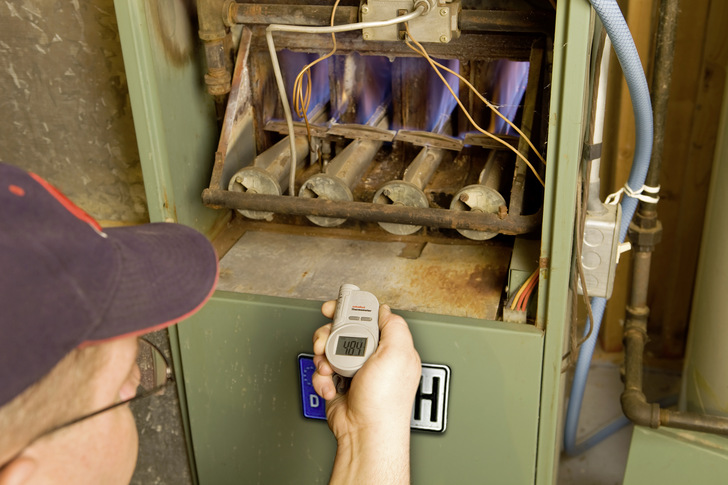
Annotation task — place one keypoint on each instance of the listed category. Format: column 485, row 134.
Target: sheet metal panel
column 239, row 356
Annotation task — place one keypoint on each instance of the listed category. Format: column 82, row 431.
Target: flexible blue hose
column 616, row 27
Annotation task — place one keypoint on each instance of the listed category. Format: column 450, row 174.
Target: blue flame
column 292, row 63
column 375, row 87
column 511, row 79
column 440, row 101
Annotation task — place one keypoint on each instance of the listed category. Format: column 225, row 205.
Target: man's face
column 101, row 449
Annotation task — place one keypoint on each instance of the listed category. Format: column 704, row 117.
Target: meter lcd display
column 351, row 346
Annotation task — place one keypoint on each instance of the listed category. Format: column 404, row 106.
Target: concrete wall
column 65, row 115
column 64, row 104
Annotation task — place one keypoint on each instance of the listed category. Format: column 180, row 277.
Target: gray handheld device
column 355, row 333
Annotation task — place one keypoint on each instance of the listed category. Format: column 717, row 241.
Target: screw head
column 464, row 197
column 443, row 12
column 366, row 35
column 364, row 9
column 502, row 212
column 443, row 39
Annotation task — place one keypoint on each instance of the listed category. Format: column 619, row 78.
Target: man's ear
column 18, row 471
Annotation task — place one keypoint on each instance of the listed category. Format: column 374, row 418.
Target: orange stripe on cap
column 66, row 202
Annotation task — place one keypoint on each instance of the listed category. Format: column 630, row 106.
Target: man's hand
column 371, row 421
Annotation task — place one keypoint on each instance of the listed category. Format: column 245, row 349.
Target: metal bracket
column 439, row 24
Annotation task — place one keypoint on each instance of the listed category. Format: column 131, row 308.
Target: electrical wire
column 515, row 298
column 419, row 10
column 581, row 212
column 421, row 50
column 302, row 101
column 579, row 248
column 493, row 108
column 526, row 297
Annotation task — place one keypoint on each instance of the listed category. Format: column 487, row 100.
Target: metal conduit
column 645, row 234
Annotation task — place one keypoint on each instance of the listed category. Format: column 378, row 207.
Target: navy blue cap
column 66, row 282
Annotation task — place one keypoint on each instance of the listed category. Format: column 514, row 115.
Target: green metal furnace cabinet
column 240, row 389
column 675, row 457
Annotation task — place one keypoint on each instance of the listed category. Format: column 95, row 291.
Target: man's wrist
column 374, row 455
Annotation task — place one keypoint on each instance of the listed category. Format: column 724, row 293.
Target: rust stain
column 473, row 291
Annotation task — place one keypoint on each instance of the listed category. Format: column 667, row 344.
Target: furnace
column 385, row 169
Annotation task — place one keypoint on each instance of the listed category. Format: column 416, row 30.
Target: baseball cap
column 66, row 282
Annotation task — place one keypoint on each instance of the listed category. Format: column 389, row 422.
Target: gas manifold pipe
column 483, row 196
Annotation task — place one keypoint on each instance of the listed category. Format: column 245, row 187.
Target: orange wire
column 522, row 289
column 527, row 294
column 301, row 102
column 424, row 54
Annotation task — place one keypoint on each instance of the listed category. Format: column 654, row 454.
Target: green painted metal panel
column 241, row 378
column 572, row 43
column 174, row 117
column 676, row 457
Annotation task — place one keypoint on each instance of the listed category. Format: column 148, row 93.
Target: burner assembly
column 375, row 113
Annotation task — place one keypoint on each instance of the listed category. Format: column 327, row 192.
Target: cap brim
column 168, row 271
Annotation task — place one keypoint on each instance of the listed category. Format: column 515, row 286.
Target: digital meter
column 355, row 332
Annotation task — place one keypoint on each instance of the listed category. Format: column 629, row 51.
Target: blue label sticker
column 314, row 406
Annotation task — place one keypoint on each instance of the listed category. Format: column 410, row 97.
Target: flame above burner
column 510, row 81
column 292, row 63
column 440, row 101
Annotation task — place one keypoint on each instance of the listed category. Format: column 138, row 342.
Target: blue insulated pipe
column 611, row 16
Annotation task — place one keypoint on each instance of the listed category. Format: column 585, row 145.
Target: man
column 73, row 299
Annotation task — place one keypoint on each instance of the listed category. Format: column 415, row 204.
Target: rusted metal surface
column 532, row 21
column 511, row 225
column 315, row 15
column 299, row 128
column 264, row 97
column 212, row 32
column 352, row 230
column 529, row 107
column 353, row 131
column 427, row 139
column 484, row 141
column 238, row 104
column 634, row 402
column 475, row 47
column 461, row 280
